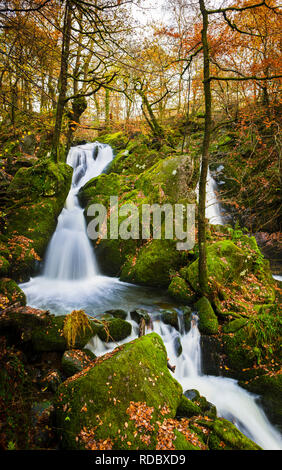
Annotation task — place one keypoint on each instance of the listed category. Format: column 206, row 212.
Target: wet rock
column 140, row 313
column 118, row 313
column 177, row 345
column 170, row 317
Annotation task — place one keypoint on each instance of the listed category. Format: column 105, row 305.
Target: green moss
column 227, row 433
column 11, row 290
column 51, row 337
column 153, row 265
column 234, row 325
column 225, row 263
column 180, row 443
column 170, row 317
column 116, row 329
column 187, row 409
column 136, row 372
column 181, row 291
column 208, row 323
column 269, row 387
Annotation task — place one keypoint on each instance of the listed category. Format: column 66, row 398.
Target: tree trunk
column 107, row 108
column 203, row 275
column 63, row 80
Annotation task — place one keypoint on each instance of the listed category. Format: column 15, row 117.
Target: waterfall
column 71, row 278
column 70, row 254
column 213, row 207
column 232, row 402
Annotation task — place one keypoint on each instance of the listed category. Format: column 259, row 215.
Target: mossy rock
column 12, row 292
column 170, row 317
column 19, row 322
column 117, row 140
column 181, row 443
column 225, row 263
column 255, row 342
column 139, row 314
column 206, row 408
column 181, row 291
column 208, row 322
column 187, row 409
column 153, row 264
column 52, row 338
column 234, row 325
column 172, row 177
column 99, row 400
column 115, row 329
column 117, row 313
column 224, row 435
column 75, row 360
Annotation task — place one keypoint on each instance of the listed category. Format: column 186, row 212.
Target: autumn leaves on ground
column 197, row 88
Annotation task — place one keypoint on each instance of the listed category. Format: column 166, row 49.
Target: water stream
column 71, row 280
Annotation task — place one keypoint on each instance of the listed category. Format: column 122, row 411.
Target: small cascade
column 213, row 207
column 232, row 402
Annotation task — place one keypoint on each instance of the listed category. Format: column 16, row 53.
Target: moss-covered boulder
column 56, row 337
column 208, row 322
column 139, row 314
column 169, row 180
column 181, row 291
column 252, row 342
column 114, row 329
column 37, row 197
column 170, row 317
column 225, row 263
column 223, row 435
column 153, row 264
column 98, row 401
column 187, row 408
column 19, row 322
column 10, row 293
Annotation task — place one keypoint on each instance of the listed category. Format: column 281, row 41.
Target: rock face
column 138, row 260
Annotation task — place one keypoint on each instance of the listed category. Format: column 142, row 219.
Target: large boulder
column 99, row 399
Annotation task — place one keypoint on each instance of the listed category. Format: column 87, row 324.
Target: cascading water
column 232, row 402
column 71, row 280
column 70, row 254
column 213, row 207
column 71, row 277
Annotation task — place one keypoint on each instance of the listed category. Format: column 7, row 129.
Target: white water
column 71, row 277
column 232, row 402
column 71, row 280
column 213, row 207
